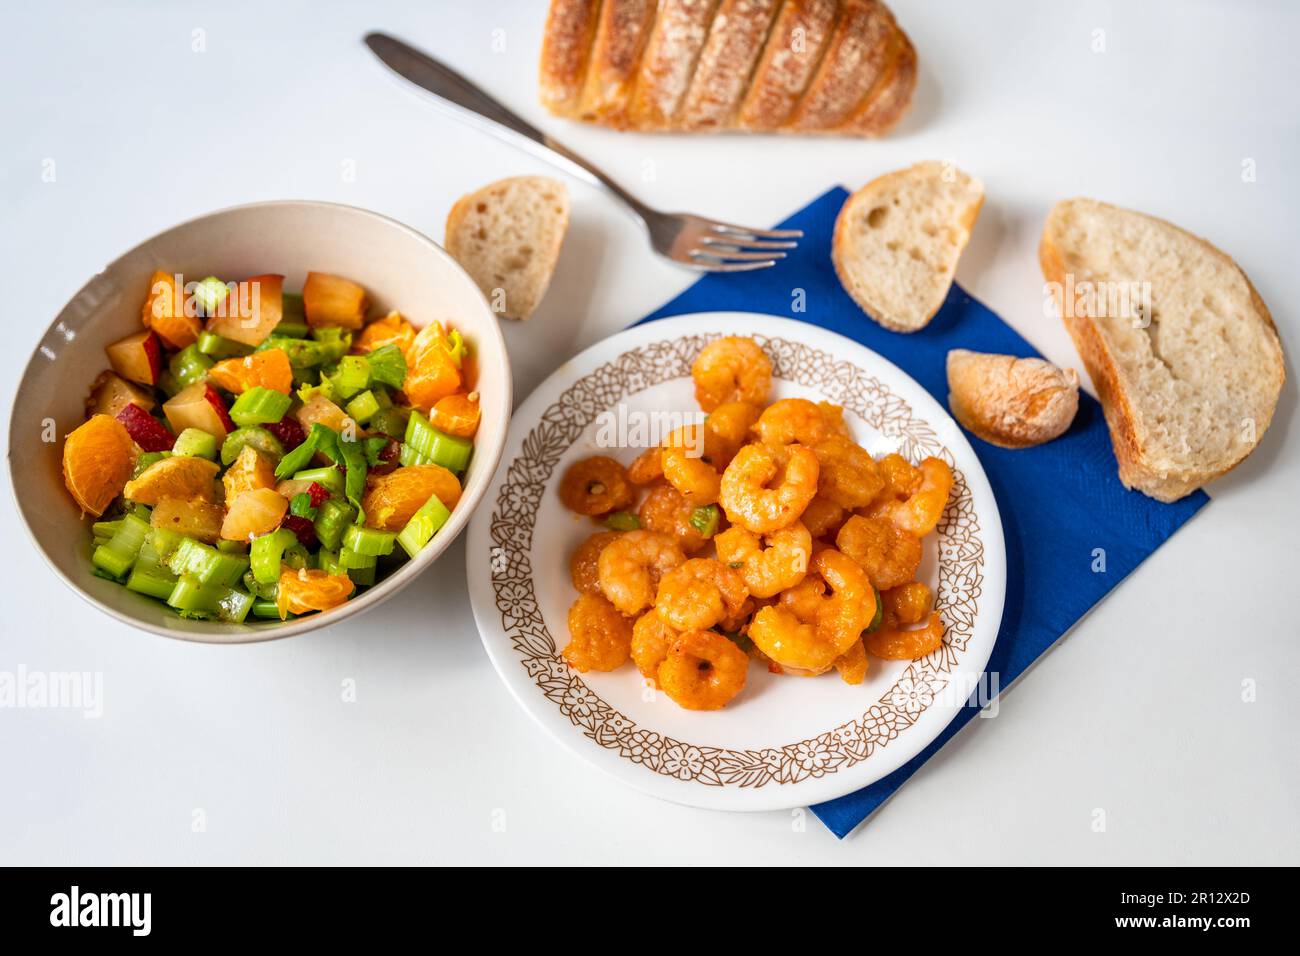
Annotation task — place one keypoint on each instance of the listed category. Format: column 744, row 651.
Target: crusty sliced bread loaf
column 508, row 235
column 1190, row 371
column 1009, row 401
column 898, row 238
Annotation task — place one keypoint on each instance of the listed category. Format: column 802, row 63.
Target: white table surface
column 1139, row 713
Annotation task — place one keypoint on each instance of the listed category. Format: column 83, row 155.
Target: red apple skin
column 236, row 324
column 198, row 406
column 145, row 430
column 138, row 357
column 110, row 393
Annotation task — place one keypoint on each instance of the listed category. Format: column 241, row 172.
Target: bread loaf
column 1008, row 401
column 1181, row 348
column 841, row 67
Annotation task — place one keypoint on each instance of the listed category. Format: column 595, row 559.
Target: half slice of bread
column 898, row 238
column 508, row 235
column 1182, row 350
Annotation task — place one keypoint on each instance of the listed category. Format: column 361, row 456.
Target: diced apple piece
column 198, row 406
column 251, row 311
column 110, row 393
column 332, row 300
column 164, row 311
column 145, row 430
column 253, row 513
column 321, row 409
column 195, row 518
column 137, row 357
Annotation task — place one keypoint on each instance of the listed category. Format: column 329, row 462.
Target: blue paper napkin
column 1063, row 507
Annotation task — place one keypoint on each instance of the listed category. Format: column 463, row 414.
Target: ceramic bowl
column 399, row 267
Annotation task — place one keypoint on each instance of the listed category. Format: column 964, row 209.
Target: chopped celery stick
column 320, row 438
column 328, row 561
column 387, row 366
column 209, row 293
column 117, row 556
column 189, row 365
column 259, row 406
column 351, row 376
column 368, row 540
column 424, row 524
column 350, row 560
column 259, row 438
column 450, row 451
column 150, row 576
column 296, row 556
column 373, row 446
column 879, row 616
column 105, row 529
column 329, row 476
column 196, row 443
column 292, row 330
column 266, row 552
column 705, row 520
column 389, row 421
column 362, row 577
column 206, row 564
column 354, row 462
column 333, row 518
column 220, row 347
column 409, row 456
column 623, row 521
column 266, row 609
column 292, row 307
column 165, row 542
column 300, row 506
column 232, row 547
column 193, row 598
column 147, row 459
column 266, row 591
column 363, row 406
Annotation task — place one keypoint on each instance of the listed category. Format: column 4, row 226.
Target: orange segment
column 250, row 471
column 252, row 514
column 177, row 477
column 391, row 499
column 457, row 414
column 392, row 329
column 164, row 312
column 433, row 376
column 310, row 589
column 97, row 461
column 266, row 369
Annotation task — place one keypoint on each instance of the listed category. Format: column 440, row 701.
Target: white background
column 1139, row 713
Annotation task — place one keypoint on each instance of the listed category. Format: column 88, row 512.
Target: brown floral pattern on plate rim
column 961, row 563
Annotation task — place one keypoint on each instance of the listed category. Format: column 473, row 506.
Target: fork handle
column 481, row 110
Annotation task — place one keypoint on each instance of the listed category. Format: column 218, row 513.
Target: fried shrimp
column 647, row 468
column 852, row 665
column 726, row 431
column 907, row 604
column 630, row 568
column 769, row 564
column 666, row 511
column 797, row 420
column 651, row 638
column 584, row 562
column 920, row 512
column 766, row 488
column 731, row 369
column 819, row 622
column 888, row 554
column 699, row 593
column 595, row 486
column 822, row 517
column 601, row 637
column 848, row 474
column 694, row 477
column 703, row 671
column 895, row 644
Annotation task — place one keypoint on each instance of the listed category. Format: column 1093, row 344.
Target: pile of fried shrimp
column 763, row 532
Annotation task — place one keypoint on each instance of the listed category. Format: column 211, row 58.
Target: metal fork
column 693, row 241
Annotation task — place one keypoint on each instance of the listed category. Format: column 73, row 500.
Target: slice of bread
column 1008, row 401
column 566, row 48
column 1182, row 350
column 508, row 235
column 668, row 62
column 794, row 49
column 722, row 74
column 898, row 238
column 856, row 58
column 622, row 29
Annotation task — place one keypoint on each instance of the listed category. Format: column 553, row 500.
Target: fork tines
column 728, row 248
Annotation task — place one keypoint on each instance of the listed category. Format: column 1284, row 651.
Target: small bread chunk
column 898, row 238
column 508, row 235
column 1008, row 401
column 1180, row 346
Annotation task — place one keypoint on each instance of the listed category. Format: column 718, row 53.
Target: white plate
column 785, row 741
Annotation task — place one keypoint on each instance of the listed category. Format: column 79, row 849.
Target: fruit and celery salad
column 257, row 452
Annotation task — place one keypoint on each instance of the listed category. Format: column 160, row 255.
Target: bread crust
column 1135, row 469
column 728, row 65
column 789, row 60
column 1008, row 401
column 566, row 47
